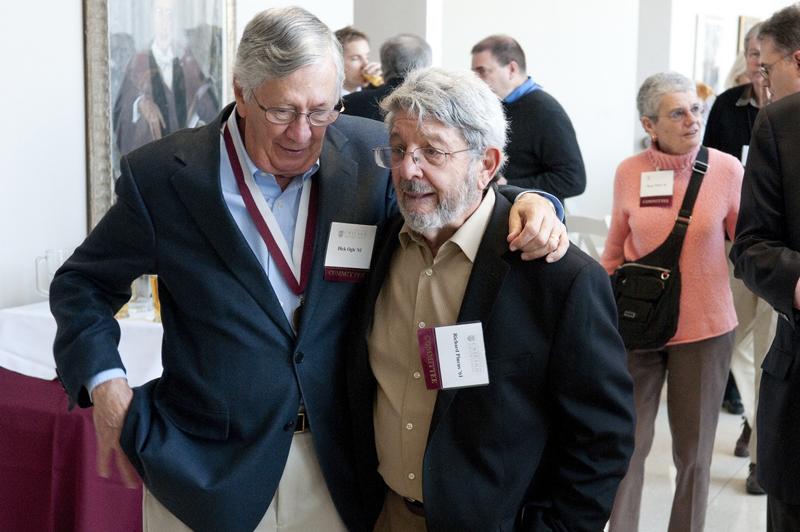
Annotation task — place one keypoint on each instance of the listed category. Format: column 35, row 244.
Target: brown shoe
column 751, row 484
column 743, row 442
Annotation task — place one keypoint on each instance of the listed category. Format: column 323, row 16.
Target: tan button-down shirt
column 420, row 291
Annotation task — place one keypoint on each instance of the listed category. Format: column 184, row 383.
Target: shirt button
column 421, row 325
column 417, row 374
column 428, row 272
column 411, row 476
column 409, row 426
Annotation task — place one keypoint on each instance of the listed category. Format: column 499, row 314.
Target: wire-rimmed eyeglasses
column 285, row 115
column 391, row 157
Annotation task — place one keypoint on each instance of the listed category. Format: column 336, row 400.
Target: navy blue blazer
column 766, row 255
column 211, row 436
column 545, row 444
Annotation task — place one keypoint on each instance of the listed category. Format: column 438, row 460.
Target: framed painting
column 745, row 23
column 712, row 55
column 152, row 67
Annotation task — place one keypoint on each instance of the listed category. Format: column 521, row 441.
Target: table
column 26, row 344
column 48, row 476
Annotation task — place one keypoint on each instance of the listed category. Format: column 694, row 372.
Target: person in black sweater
column 542, row 149
column 399, row 55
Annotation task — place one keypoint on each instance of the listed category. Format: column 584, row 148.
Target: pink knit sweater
column 706, row 308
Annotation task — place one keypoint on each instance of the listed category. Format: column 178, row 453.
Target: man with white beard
column 540, row 432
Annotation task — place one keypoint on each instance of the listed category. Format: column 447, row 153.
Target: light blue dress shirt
column 284, row 205
column 527, row 86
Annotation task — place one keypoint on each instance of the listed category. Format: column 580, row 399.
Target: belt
column 301, row 425
column 414, row 506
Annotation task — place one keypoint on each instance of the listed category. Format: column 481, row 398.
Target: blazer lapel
column 336, row 179
column 197, row 184
column 485, row 281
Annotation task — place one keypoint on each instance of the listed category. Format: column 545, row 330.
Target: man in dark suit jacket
column 399, row 55
column 766, row 256
column 253, row 339
column 545, row 443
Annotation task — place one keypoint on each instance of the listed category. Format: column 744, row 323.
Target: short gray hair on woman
column 656, row 87
column 458, row 99
column 403, row 53
column 279, row 41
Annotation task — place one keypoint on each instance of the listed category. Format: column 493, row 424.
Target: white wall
column 42, row 148
column 583, row 53
column 381, row 20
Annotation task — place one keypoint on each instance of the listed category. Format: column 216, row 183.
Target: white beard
column 453, row 206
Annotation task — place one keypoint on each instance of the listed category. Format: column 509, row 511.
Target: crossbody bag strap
column 668, row 253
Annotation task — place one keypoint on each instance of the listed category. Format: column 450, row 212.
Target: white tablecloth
column 26, row 344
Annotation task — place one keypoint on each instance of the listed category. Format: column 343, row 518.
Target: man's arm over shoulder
column 592, row 405
column 761, row 253
column 93, row 285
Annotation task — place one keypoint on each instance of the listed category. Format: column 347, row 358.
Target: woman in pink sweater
column 695, row 361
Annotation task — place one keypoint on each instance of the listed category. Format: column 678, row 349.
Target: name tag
column 453, row 356
column 745, row 151
column 655, row 188
column 349, row 252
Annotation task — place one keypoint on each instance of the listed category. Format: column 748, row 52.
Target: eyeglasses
column 284, row 115
column 679, row 115
column 764, row 69
column 390, row 157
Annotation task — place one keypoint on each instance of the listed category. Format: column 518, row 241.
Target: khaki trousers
column 757, row 324
column 301, row 503
column 395, row 517
column 696, row 374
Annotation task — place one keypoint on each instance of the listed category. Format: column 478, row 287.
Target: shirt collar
column 527, row 86
column 747, row 97
column 468, row 237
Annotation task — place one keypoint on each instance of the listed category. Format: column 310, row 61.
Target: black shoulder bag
column 648, row 291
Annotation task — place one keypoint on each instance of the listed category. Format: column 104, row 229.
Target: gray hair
column 279, row 41
column 783, row 27
column 752, row 33
column 656, row 87
column 503, row 48
column 458, row 99
column 403, row 53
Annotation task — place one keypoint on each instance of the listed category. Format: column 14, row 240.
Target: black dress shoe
column 751, row 484
column 742, row 450
column 733, row 406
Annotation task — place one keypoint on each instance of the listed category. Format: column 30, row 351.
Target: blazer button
column 298, row 357
column 289, row 426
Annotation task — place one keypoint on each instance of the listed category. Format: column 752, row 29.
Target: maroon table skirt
column 48, row 473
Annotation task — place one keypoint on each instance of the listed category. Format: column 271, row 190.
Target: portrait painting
column 152, row 67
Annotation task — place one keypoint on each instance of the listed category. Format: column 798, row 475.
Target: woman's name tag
column 453, row 356
column 655, row 188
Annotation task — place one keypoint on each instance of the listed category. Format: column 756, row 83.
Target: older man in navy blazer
column 536, row 431
column 235, row 218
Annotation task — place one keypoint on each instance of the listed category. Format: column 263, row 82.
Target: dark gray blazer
column 545, row 444
column 211, row 436
column 766, row 255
